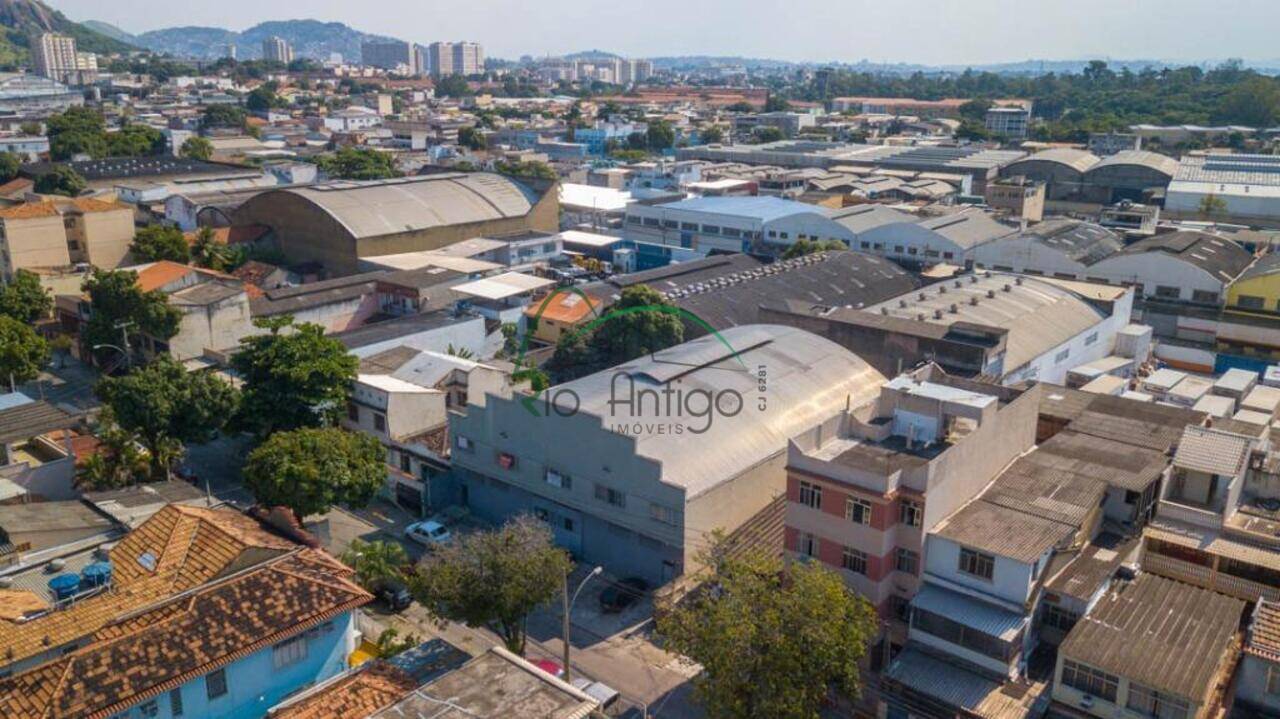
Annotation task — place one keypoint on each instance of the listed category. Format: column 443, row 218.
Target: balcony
column 1208, row 577
column 1198, row 515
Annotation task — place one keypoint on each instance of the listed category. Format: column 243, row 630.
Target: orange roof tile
column 17, row 603
column 29, row 210
column 159, row 274
column 16, row 185
column 565, row 307
column 93, row 204
column 376, row 686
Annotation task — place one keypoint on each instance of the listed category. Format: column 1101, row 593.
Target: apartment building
column 54, row 56
column 455, row 58
column 1022, row 198
column 866, row 486
column 389, row 55
column 1011, row 121
column 277, row 49
column 32, row 236
column 58, row 233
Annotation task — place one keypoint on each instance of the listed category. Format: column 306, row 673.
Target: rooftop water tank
column 64, row 586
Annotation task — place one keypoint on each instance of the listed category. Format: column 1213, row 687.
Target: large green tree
column 493, row 578
column 78, row 130
column 314, row 469
column 196, row 148
column 376, row 561
column 774, row 639
column 660, row 135
column 160, row 242
column 61, row 180
column 166, row 407
column 224, row 116
column 23, row 353
column 9, row 166
column 641, row 322
column 24, row 298
column 807, row 247
column 359, row 163
column 294, row 376
column 1254, row 102
column 117, row 306
column 135, row 141
column 118, row 461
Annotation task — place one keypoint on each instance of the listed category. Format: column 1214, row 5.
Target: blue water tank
column 64, row 586
column 97, row 574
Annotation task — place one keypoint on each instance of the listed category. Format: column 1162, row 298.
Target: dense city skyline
column 941, row 32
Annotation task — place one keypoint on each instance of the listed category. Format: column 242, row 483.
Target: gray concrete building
column 665, row 449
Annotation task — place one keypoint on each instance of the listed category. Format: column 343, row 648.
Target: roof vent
column 973, row 279
column 902, row 303
column 942, row 289
column 919, row 317
column 920, row 297
column 1007, row 288
column 991, row 294
column 954, row 308
column 973, row 301
column 937, row 314
column 958, row 284
column 1018, row 281
column 884, row 311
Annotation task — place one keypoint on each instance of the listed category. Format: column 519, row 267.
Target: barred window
column 1089, row 680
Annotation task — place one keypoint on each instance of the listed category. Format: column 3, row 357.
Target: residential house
column 1258, row 679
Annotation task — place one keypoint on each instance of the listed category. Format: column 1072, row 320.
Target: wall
column 1010, row 581
column 468, row 334
column 107, row 236
column 1022, row 253
column 217, row 326
column 1156, row 268
column 254, row 684
column 1251, row 684
column 34, row 242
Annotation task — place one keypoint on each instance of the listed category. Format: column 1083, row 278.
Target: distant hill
column 111, row 31
column 309, row 38
column 20, row 19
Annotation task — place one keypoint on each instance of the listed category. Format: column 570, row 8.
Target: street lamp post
column 568, row 608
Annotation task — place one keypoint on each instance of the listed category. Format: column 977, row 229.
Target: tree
column 640, row 323
column 224, row 116
column 78, row 130
column 452, row 86
column 493, row 578
column 292, row 380
column 196, row 148
column 262, row 98
column 660, row 135
column 806, row 247
column 774, row 639
column 134, row 141
column 314, row 469
column 23, row 353
column 775, row 103
column 61, row 180
column 118, row 461
column 25, row 299
column 765, row 134
column 390, row 644
column 375, row 561
column 154, row 243
column 116, row 301
column 359, row 163
column 970, row 130
column 975, row 109
column 1254, row 102
column 740, row 107
column 206, row 251
column 9, row 165
column 472, row 138
column 166, row 406
column 529, row 168
column 711, row 135
column 1212, row 206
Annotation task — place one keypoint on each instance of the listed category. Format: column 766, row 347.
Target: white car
column 428, row 533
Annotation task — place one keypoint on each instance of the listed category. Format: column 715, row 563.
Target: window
column 864, row 245
column 948, row 255
column 898, row 249
column 380, row 421
column 808, row 544
column 1273, row 680
column 149, row 709
column 663, row 514
column 901, row 608
column 1204, row 297
column 556, row 479
column 405, row 465
column 961, row 635
column 1089, row 680
column 1167, row 292
column 1148, row 701
column 1059, row 618
column 464, row 444
column 215, row 683
column 1062, row 356
column 857, row 511
column 1091, row 338
column 811, row 495
column 611, row 496
column 977, row 564
column 909, row 513
column 288, row 653
column 175, row 702
column 1249, row 302
column 854, row 561
column 353, row 412
column 711, row 229
column 670, row 224
column 783, row 235
column 689, row 226
column 651, row 222
column 633, row 219
column 907, row 561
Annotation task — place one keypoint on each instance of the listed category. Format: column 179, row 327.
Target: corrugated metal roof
column 1158, row 632
column 760, row 207
column 1003, row 531
column 1153, row 161
column 1212, row 451
column 385, row 207
column 1078, row 160
column 986, row 618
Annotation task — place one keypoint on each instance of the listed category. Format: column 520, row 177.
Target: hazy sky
column 922, row 31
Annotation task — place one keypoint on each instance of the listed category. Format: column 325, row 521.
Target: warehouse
column 952, row 237
column 338, row 223
column 1129, row 175
column 1061, row 169
column 1186, row 266
column 1247, row 185
column 1058, row 247
column 731, row 224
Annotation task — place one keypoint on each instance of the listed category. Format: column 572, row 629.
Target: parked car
column 428, row 533
column 622, row 594
column 551, row 667
column 393, row 593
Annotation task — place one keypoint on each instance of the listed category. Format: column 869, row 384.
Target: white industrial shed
column 1247, row 185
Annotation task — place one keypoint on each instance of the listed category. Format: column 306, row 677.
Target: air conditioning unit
column 1086, row 701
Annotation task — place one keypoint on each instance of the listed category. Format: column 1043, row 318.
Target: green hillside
column 20, row 19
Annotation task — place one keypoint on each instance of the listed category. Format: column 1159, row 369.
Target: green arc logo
column 530, row 401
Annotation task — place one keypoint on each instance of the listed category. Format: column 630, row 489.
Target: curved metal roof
column 810, row 379
column 385, row 207
column 1078, row 160
column 1153, row 161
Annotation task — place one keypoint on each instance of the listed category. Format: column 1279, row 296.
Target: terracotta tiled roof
column 178, row 548
column 1264, row 633
column 29, row 210
column 360, row 694
column 17, row 603
column 93, row 204
column 171, row 643
column 565, row 307
column 159, row 274
column 16, row 185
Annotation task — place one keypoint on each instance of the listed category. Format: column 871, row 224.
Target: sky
column 933, row 32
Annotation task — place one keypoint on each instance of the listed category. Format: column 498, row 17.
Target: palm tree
column 118, row 462
column 375, row 561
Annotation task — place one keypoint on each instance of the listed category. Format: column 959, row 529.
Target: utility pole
column 123, row 326
column 568, row 609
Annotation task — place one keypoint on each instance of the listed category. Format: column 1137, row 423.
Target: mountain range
column 20, row 19
column 309, row 38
